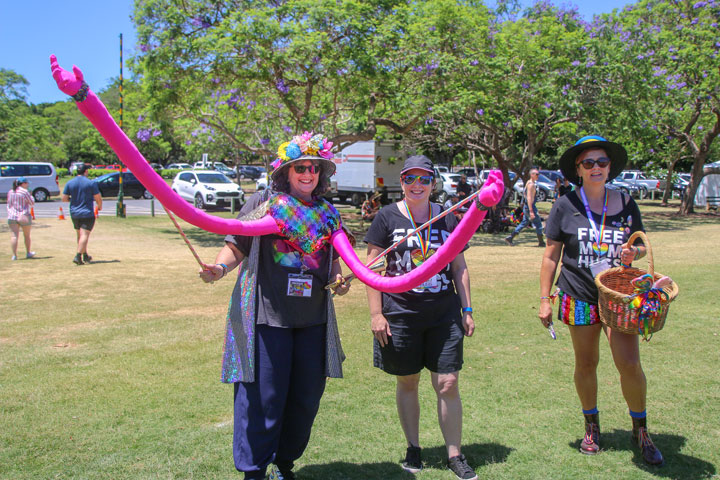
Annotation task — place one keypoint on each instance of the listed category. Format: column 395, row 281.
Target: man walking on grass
column 80, row 192
column 530, row 212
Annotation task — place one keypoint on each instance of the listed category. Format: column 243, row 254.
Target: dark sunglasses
column 310, row 168
column 424, row 179
column 589, row 163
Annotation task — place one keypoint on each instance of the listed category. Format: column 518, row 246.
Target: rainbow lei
column 310, row 144
column 648, row 301
column 306, row 226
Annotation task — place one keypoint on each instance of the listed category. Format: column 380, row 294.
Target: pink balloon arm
column 491, row 193
column 95, row 111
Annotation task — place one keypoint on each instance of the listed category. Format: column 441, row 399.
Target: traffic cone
column 60, row 215
column 32, row 213
column 96, row 211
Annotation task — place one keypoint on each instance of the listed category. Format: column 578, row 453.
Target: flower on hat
column 305, row 144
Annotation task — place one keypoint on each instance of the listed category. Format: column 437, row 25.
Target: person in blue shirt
column 81, row 192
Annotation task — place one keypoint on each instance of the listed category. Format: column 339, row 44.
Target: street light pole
column 120, row 207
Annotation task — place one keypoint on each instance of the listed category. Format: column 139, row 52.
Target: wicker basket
column 614, row 286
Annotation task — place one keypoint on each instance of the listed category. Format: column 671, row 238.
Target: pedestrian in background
column 19, row 203
column 80, row 192
column 530, row 212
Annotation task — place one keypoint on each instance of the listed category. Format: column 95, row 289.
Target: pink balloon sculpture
column 90, row 105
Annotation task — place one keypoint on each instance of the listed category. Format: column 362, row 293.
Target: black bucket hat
column 615, row 151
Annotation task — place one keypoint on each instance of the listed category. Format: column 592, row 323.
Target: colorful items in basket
column 648, row 300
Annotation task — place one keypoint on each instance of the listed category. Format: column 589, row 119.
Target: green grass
column 111, row 370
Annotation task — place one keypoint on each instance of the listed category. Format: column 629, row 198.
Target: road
column 132, row 208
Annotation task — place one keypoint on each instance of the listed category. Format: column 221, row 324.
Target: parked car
column 450, row 182
column 109, row 185
column 262, row 182
column 207, row 188
column 443, row 169
column 224, row 169
column 42, row 178
column 438, row 192
column 545, row 187
column 178, row 166
column 250, row 171
column 636, row 177
column 156, row 166
column 471, row 176
column 682, row 182
column 628, row 188
column 553, row 175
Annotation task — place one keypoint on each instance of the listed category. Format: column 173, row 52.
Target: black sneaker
column 412, row 462
column 78, row 259
column 461, row 469
column 86, row 258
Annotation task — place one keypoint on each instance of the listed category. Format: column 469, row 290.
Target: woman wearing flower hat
column 424, row 327
column 19, row 203
column 282, row 339
column 587, row 231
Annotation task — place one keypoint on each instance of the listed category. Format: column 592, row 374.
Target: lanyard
column 590, row 216
column 423, row 246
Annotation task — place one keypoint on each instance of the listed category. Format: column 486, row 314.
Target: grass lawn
column 111, row 370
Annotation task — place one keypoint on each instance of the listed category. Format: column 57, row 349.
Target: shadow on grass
column 677, row 465
column 97, row 262
column 197, row 237
column 478, row 455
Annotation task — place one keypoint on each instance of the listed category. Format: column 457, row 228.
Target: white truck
column 366, row 167
column 646, row 185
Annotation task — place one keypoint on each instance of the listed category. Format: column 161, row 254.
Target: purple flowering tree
column 266, row 70
column 664, row 57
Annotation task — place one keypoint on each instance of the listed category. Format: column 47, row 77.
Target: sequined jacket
column 239, row 351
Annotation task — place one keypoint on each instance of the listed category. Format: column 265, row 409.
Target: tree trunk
column 688, row 203
column 668, row 183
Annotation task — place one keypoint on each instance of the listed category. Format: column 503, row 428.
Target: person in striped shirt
column 19, row 203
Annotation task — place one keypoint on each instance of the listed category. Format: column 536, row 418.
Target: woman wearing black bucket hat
column 589, row 228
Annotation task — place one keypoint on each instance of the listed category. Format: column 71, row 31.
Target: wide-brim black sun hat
column 615, row 151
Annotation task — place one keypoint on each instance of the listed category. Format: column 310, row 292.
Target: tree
column 257, row 72
column 665, row 53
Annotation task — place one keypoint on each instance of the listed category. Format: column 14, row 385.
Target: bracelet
column 467, row 310
column 545, row 297
column 82, row 93
column 225, row 269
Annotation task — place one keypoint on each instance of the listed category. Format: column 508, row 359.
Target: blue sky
column 86, row 33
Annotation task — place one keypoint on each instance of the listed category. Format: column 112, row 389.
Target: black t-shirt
column 278, row 260
column 568, row 223
column 389, row 226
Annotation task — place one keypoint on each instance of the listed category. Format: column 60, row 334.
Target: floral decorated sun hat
column 310, row 146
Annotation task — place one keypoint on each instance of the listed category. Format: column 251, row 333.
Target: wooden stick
column 187, row 242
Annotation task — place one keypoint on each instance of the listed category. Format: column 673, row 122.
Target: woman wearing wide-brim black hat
column 589, row 228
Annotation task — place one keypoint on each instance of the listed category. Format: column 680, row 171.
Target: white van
column 42, row 179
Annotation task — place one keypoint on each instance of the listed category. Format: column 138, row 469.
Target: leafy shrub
column 169, row 172
column 96, row 172
column 62, row 172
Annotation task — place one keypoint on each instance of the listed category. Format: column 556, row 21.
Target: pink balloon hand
column 67, row 82
column 492, row 189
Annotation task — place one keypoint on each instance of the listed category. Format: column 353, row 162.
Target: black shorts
column 433, row 341
column 84, row 223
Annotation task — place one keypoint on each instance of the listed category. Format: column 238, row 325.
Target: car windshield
column 213, row 178
column 544, row 179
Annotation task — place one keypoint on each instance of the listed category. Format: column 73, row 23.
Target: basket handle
column 641, row 235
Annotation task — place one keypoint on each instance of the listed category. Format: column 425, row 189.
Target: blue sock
column 642, row 414
column 592, row 411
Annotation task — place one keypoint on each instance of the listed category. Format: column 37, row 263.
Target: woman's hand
column 68, row 83
column 342, row 287
column 545, row 313
column 380, row 328
column 628, row 254
column 211, row 273
column 468, row 324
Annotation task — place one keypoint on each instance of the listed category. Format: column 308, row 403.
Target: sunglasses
column 424, row 179
column 589, row 163
column 310, row 168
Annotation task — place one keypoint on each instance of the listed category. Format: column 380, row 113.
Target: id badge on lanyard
column 299, row 285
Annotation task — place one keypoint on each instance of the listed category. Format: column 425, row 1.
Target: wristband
column 545, row 297
column 82, row 93
column 225, row 269
column 467, row 310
